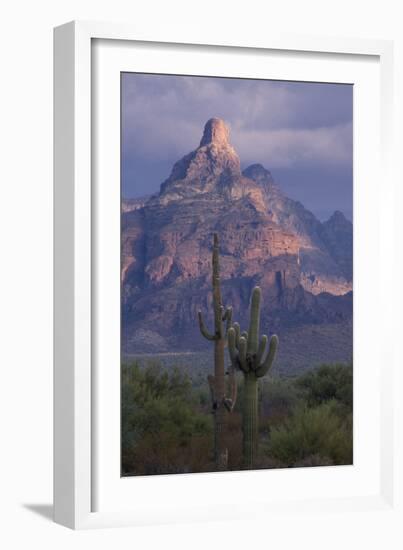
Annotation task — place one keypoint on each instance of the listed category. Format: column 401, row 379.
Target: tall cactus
column 222, row 405
column 248, row 354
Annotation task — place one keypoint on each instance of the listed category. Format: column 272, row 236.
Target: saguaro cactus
column 248, row 354
column 222, row 404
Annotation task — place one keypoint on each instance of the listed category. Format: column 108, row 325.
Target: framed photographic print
column 219, row 240
column 221, row 231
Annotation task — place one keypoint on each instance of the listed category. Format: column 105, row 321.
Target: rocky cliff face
column 322, row 255
column 265, row 238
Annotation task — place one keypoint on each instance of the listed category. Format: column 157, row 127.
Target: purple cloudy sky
column 302, row 132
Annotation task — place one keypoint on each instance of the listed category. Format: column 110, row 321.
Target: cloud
column 289, row 147
column 276, row 123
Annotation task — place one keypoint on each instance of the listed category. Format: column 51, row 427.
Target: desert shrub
column 312, row 432
column 277, row 399
column 202, row 395
column 162, row 429
column 327, row 382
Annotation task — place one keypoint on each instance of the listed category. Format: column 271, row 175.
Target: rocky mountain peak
column 210, row 168
column 215, row 132
column 258, row 173
column 338, row 219
column 214, row 170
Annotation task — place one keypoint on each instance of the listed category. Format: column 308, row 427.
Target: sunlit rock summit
column 213, row 168
column 303, row 266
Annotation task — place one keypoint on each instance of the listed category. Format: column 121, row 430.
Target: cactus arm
column 264, row 368
column 203, row 328
column 244, row 334
column 228, row 318
column 261, row 349
column 242, row 354
column 237, row 330
column 253, row 335
column 233, row 352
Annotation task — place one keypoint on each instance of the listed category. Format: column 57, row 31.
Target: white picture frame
column 78, row 208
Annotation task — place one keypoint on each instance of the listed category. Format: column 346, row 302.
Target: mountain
column 265, row 238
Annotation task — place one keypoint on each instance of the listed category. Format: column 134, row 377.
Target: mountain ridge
column 266, row 238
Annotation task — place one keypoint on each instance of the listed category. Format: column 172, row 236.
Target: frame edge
column 63, row 335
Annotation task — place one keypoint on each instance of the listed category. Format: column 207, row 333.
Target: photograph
column 236, row 274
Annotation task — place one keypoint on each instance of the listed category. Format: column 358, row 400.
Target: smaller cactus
column 249, row 355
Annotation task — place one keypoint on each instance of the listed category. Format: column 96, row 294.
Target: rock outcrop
column 128, row 205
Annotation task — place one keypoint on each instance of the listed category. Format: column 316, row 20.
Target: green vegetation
column 164, row 427
column 312, row 436
column 167, row 425
column 326, row 383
